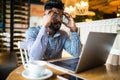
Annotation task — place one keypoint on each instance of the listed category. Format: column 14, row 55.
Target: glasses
column 58, row 16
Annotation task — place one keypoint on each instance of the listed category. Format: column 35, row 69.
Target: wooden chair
column 22, row 45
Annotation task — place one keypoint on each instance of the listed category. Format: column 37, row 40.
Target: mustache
column 57, row 23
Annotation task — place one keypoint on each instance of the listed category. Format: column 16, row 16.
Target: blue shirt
column 43, row 46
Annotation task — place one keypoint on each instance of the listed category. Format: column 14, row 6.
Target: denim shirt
column 42, row 46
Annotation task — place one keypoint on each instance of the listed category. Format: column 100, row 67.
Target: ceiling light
column 77, row 7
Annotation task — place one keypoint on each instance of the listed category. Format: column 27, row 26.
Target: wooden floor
column 8, row 62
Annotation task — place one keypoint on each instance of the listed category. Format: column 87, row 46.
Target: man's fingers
column 67, row 15
column 64, row 24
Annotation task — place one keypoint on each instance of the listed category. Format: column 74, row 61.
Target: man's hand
column 47, row 18
column 71, row 23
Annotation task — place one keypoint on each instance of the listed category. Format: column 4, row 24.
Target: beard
column 55, row 26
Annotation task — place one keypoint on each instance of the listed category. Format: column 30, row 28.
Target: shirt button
column 48, row 33
column 42, row 58
column 45, row 43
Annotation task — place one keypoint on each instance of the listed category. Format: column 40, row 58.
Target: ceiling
column 106, row 6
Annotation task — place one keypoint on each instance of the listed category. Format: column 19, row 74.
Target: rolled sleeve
column 72, row 45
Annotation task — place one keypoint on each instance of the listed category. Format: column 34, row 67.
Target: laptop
column 94, row 53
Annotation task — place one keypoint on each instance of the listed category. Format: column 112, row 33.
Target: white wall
column 106, row 25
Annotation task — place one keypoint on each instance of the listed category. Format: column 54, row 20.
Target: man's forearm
column 73, row 29
column 75, row 44
column 72, row 46
column 38, row 47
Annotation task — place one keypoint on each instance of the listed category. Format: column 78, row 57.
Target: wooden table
column 105, row 72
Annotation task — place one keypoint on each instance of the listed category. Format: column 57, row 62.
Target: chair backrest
column 22, row 45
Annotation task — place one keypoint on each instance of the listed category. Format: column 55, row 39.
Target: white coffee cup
column 35, row 68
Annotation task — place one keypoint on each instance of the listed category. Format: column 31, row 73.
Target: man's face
column 57, row 19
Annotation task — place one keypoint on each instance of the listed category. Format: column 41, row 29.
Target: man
column 48, row 41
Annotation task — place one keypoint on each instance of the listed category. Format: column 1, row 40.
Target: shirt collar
column 57, row 34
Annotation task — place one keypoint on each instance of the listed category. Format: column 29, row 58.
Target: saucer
column 48, row 73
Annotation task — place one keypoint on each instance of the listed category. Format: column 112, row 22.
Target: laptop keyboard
column 69, row 63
